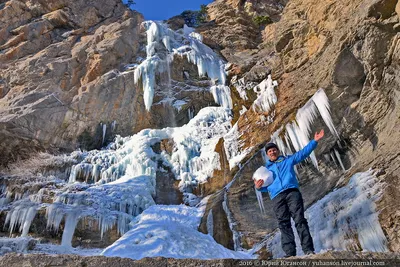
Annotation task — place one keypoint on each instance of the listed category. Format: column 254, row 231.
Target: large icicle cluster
column 114, row 203
column 194, row 158
column 298, row 132
column 344, row 219
column 22, row 214
column 163, row 45
column 114, row 185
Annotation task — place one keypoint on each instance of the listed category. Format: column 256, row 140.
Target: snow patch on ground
column 171, row 232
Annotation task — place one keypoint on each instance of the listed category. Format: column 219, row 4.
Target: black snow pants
column 289, row 203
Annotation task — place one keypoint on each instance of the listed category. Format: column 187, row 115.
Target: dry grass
column 41, row 163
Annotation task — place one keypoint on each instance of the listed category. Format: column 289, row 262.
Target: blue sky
column 164, row 9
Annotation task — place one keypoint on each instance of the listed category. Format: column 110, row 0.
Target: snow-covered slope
column 171, row 232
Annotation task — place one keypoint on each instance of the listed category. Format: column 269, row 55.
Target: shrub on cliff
column 262, row 20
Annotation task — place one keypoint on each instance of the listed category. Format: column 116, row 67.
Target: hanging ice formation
column 163, row 45
column 241, row 86
column 210, row 223
column 22, row 215
column 266, row 97
column 298, row 132
column 345, row 218
column 231, row 221
column 258, row 193
column 104, row 129
column 233, row 147
column 111, row 186
column 339, row 159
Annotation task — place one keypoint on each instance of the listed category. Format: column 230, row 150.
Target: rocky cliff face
column 55, row 63
column 67, row 80
column 351, row 50
column 66, row 77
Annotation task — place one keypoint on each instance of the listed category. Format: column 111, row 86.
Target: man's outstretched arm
column 302, row 154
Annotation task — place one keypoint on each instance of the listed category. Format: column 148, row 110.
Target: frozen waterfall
column 164, row 44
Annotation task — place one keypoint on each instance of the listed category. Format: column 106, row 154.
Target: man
column 286, row 197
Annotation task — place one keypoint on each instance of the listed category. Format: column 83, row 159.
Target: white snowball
column 264, row 174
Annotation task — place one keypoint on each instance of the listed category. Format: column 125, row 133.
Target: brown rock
column 397, row 8
column 382, row 9
column 215, row 212
column 338, row 47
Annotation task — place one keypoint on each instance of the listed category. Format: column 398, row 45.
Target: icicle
column 339, row 160
column 105, row 224
column 322, row 102
column 30, row 215
column 236, row 235
column 190, row 113
column 82, row 171
column 71, row 221
column 22, row 214
column 113, row 126
column 266, row 95
column 333, row 158
column 292, row 136
column 104, row 126
column 210, row 223
column 299, row 131
column 147, row 72
column 6, row 196
column 260, row 200
column 96, row 172
column 156, row 33
column 233, row 145
column 54, row 214
column 222, row 95
column 275, row 138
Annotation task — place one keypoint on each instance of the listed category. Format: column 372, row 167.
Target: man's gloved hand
column 258, row 183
